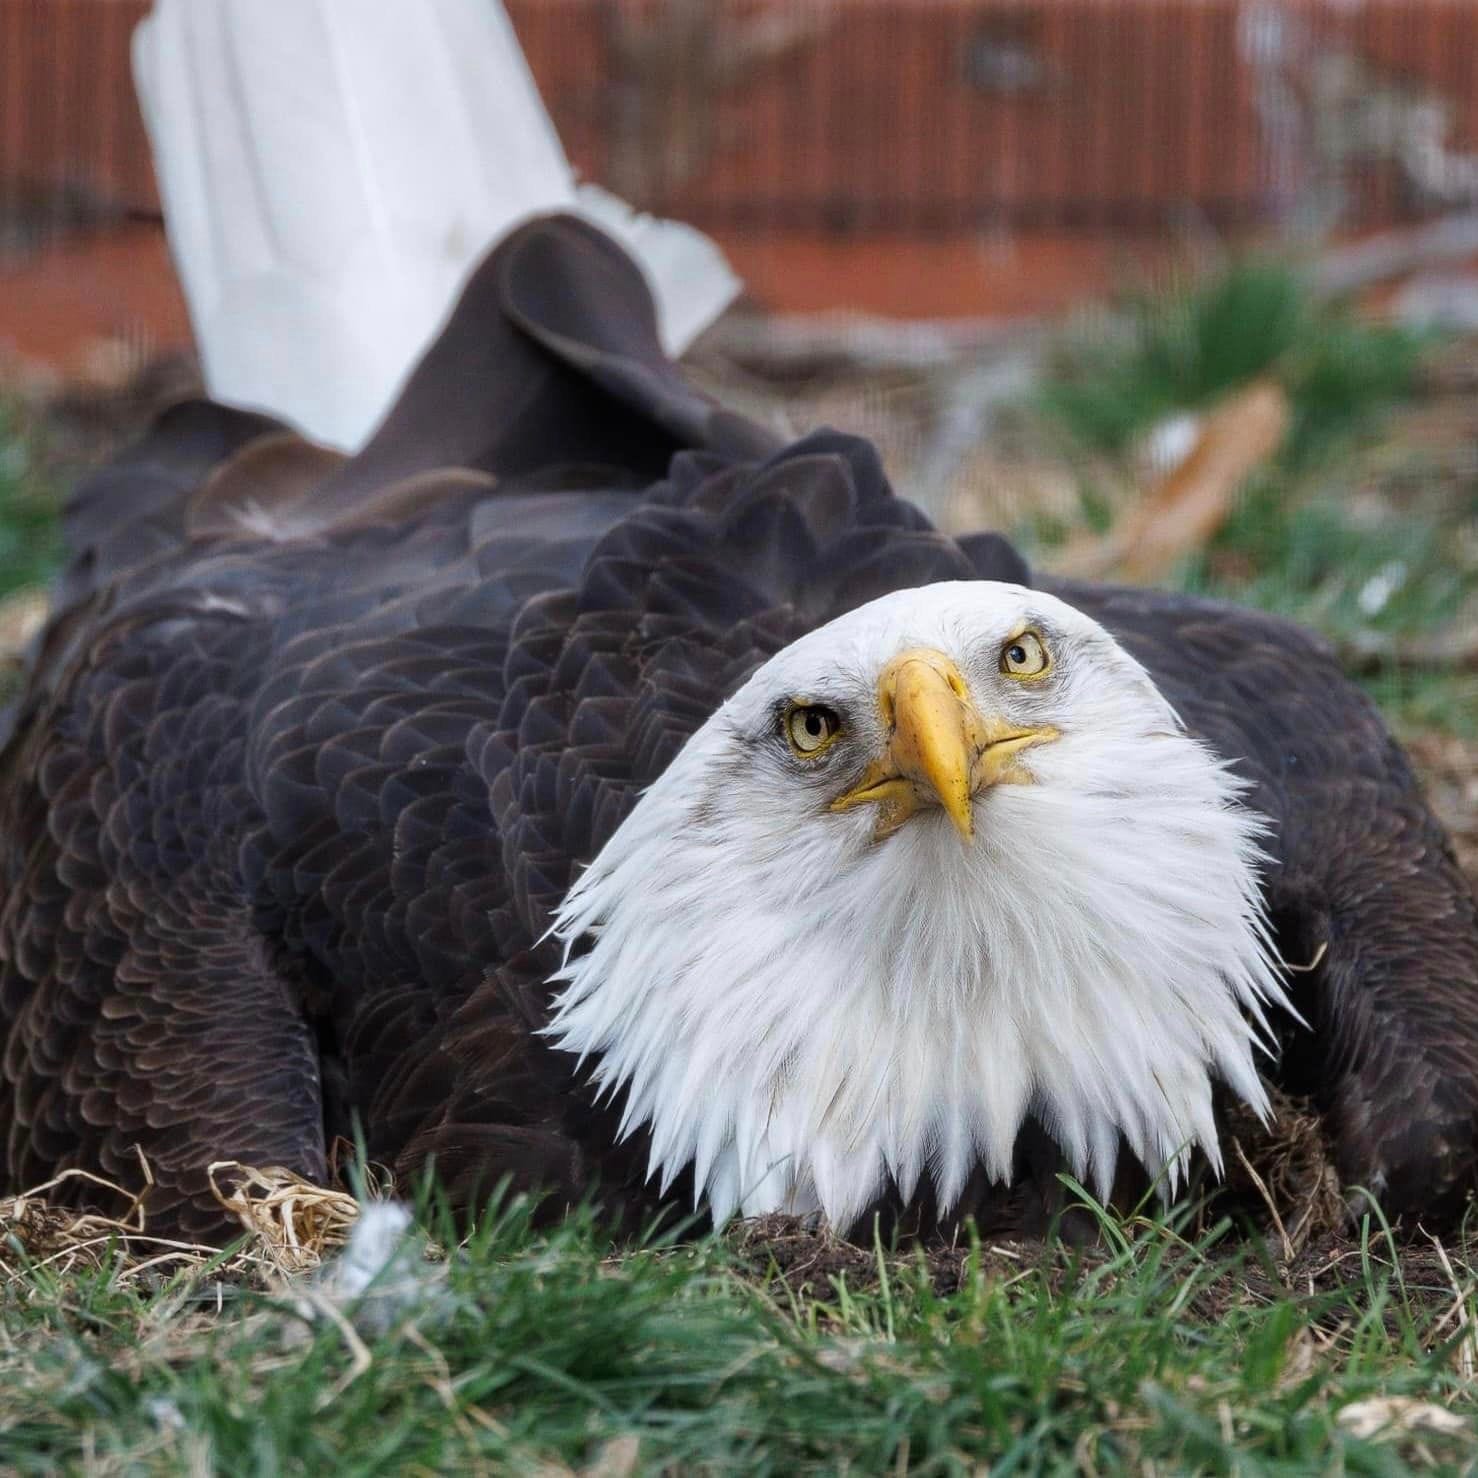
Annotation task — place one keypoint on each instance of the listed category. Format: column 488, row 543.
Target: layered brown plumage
column 312, row 748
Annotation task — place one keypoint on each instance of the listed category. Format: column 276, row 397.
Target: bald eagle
column 583, row 789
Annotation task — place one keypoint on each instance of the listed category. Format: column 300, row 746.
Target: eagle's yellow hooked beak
column 941, row 750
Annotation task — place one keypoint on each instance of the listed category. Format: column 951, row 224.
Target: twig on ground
column 1182, row 512
column 1262, row 1190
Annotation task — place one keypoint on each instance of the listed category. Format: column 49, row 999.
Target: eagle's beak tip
column 962, row 814
column 926, row 697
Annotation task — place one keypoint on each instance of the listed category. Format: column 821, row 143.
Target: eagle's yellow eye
column 810, row 727
column 1025, row 656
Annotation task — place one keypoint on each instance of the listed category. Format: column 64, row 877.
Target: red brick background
column 917, row 157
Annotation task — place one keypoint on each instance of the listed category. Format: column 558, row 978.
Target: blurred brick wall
column 839, row 116
column 920, row 115
column 69, row 124
column 905, row 156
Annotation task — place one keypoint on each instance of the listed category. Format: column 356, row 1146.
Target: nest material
column 1282, row 1173
column 293, row 1221
column 1285, row 1167
column 292, row 1225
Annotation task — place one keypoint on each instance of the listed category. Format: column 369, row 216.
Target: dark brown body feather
column 313, row 747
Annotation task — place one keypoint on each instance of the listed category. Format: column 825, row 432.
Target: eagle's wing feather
column 121, row 942
column 377, row 737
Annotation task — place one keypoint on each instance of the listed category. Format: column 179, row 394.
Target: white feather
column 331, row 171
column 801, row 1010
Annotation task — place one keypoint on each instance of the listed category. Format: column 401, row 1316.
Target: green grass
column 1374, row 584
column 543, row 1353
column 30, row 543
column 1418, row 701
column 1382, row 582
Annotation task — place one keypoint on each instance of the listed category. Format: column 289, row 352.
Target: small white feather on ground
column 383, row 1276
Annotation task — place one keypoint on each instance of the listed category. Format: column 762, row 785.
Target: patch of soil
column 791, row 1254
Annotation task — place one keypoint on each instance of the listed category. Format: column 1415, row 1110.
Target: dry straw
column 291, row 1226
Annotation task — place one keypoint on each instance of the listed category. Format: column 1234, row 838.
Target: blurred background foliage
column 29, row 541
column 1184, row 347
column 1364, row 525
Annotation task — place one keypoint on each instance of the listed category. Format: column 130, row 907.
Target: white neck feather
column 800, row 1019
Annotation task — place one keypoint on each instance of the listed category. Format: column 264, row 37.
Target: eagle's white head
column 947, row 861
